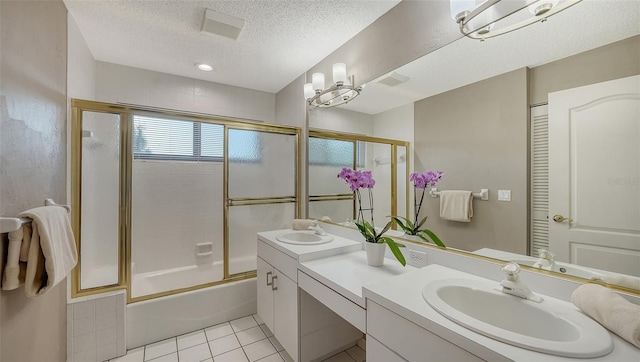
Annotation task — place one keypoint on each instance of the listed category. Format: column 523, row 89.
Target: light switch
column 504, row 195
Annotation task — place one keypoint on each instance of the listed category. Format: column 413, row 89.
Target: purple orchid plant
column 420, row 181
column 363, row 180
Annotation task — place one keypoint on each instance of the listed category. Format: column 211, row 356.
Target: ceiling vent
column 393, row 79
column 221, row 24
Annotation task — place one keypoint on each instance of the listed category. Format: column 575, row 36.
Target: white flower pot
column 375, row 253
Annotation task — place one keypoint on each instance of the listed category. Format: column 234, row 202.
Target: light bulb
column 317, row 79
column 460, row 6
column 308, row 91
column 339, row 73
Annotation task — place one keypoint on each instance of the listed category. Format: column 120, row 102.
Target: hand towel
column 26, row 242
column 10, row 277
column 52, row 254
column 609, row 309
column 456, row 205
column 301, row 224
column 626, row 281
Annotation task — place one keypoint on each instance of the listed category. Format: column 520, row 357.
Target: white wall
column 118, row 83
column 341, row 120
column 81, row 66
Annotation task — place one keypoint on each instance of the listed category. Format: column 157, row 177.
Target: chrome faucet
column 514, row 286
column 316, row 228
column 546, row 260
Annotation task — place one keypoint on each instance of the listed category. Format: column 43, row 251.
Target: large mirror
column 478, row 111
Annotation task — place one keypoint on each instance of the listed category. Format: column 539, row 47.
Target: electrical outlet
column 417, row 258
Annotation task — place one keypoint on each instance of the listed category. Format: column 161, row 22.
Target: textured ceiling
column 584, row 26
column 280, row 41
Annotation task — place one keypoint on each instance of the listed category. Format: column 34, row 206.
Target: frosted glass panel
column 177, row 224
column 378, row 161
column 326, row 159
column 402, row 182
column 338, row 211
column 100, row 199
column 261, row 164
column 245, row 222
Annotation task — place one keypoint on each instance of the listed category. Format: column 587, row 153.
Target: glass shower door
column 261, row 190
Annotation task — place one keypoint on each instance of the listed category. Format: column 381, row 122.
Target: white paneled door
column 594, row 175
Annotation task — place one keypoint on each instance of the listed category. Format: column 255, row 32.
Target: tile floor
column 241, row 340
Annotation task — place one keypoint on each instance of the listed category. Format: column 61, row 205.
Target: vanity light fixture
column 205, row 67
column 341, row 92
column 482, row 19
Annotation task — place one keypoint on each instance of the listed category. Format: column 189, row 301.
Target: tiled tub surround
column 96, row 327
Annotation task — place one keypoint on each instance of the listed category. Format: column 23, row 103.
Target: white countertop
column 302, row 253
column 403, row 295
column 348, row 273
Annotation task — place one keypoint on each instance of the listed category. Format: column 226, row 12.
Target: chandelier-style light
column 482, row 19
column 341, row 92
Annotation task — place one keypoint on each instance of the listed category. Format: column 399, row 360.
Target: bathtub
column 160, row 318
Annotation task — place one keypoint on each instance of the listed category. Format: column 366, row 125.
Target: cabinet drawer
column 377, row 352
column 342, row 306
column 409, row 340
column 278, row 259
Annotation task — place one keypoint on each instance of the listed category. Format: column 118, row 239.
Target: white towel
column 301, row 224
column 10, row 278
column 609, row 309
column 626, row 281
column 52, row 253
column 456, row 205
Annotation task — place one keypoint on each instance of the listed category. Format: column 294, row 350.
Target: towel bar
column 9, row 224
column 482, row 195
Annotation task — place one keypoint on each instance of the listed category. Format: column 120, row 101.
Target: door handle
column 269, row 283
column 559, row 218
column 273, row 282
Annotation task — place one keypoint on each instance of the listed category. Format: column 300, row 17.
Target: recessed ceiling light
column 205, row 67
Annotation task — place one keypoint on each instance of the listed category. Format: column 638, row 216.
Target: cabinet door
column 265, row 293
column 286, row 313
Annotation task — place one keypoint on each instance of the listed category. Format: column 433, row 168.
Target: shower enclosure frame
column 126, row 113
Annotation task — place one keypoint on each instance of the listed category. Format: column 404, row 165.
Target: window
column 327, row 152
column 169, row 139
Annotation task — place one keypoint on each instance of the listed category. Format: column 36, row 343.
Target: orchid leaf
column 386, row 228
column 433, row 237
column 395, row 249
column 421, row 222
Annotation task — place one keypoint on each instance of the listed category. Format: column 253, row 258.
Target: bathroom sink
column 551, row 326
column 303, row 237
column 562, row 268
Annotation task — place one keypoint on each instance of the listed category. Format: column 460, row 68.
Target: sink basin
column 551, row 326
column 562, row 268
column 303, row 238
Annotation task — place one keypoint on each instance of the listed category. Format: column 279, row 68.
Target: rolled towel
column 10, row 279
column 609, row 309
column 301, row 224
column 626, row 281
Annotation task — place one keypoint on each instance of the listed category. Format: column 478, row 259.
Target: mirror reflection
column 488, row 122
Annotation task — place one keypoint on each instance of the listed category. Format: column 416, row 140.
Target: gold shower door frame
column 355, row 138
column 126, row 113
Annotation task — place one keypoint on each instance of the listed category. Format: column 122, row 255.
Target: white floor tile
column 259, row 349
column 276, row 343
column 357, row 353
column 340, row 357
column 250, row 335
column 161, row 348
column 266, row 330
column 217, row 331
column 237, row 355
column 258, row 319
column 243, row 323
column 224, row 344
column 272, row 358
column 133, row 355
column 195, row 354
column 173, row 357
column 191, row 339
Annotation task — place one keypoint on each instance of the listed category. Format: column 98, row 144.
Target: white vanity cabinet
column 278, row 296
